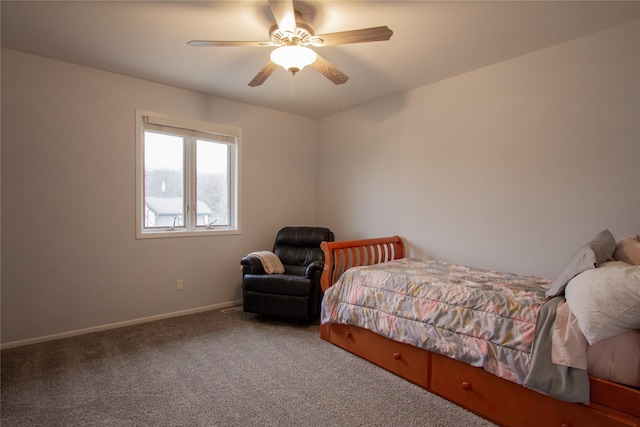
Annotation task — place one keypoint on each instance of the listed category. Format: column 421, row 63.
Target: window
column 187, row 178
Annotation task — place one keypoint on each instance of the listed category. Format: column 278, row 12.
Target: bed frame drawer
column 404, row 360
column 483, row 393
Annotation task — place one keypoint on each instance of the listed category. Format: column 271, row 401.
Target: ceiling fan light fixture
column 293, row 58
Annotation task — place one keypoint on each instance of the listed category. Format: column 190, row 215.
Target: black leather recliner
column 296, row 294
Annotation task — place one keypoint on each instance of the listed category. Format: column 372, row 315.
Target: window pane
column 212, row 191
column 163, row 180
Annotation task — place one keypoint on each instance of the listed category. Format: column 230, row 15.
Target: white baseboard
column 116, row 325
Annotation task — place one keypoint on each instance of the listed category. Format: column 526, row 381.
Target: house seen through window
column 188, row 178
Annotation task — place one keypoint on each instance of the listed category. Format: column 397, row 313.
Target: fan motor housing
column 302, row 36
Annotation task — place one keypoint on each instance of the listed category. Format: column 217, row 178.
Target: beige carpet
column 218, row 368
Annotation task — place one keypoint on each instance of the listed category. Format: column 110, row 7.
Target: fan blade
column 374, row 34
column 263, row 74
column 284, row 14
column 329, row 71
column 201, row 43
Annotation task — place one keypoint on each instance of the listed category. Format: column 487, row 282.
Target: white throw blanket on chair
column 270, row 262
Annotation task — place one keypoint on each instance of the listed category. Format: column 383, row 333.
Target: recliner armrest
column 251, row 265
column 315, row 266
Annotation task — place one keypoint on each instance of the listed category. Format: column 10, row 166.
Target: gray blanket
column 561, row 382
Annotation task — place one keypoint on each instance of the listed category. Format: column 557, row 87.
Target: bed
column 503, row 381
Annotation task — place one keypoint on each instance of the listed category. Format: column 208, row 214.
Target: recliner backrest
column 300, row 246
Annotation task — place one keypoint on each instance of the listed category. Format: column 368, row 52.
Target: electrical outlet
column 179, row 285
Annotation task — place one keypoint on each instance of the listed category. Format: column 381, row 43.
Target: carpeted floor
column 217, row 368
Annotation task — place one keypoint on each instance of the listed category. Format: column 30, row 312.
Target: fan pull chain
column 292, row 87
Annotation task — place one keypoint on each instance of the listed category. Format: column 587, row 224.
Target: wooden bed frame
column 487, row 395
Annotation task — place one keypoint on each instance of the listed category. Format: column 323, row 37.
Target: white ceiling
column 431, row 41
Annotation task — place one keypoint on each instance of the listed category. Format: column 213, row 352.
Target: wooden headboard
column 340, row 256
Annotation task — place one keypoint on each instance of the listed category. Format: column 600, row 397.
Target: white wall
column 508, row 167
column 70, row 259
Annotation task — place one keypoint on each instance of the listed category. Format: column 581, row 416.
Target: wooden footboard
column 491, row 397
column 339, row 256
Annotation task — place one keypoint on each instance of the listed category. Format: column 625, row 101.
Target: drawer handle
column 565, row 425
column 466, row 385
column 397, row 356
column 347, row 334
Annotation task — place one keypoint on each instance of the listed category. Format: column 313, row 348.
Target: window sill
column 161, row 234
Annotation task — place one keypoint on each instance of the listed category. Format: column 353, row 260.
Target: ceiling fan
column 292, row 35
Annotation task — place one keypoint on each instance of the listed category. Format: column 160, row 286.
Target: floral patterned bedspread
column 484, row 318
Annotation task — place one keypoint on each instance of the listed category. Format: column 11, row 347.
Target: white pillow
column 628, row 250
column 606, row 300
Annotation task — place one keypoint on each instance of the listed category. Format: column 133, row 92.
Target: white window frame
column 231, row 135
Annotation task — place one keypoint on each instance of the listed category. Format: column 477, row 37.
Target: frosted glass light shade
column 293, row 58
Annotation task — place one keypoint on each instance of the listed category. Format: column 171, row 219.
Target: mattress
column 484, row 318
